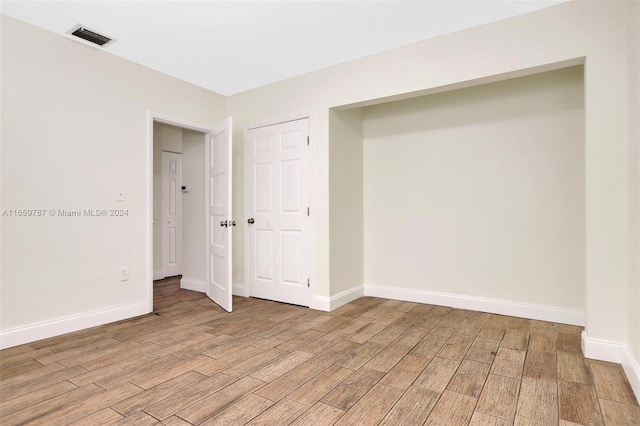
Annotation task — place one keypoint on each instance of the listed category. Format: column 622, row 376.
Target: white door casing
column 219, row 221
column 277, row 244
column 171, row 214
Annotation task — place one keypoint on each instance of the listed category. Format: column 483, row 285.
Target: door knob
column 250, row 221
column 223, row 223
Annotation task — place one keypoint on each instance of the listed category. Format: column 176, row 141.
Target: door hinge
column 308, row 283
column 307, row 140
column 307, row 211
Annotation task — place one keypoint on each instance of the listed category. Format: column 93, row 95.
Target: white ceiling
column 233, row 46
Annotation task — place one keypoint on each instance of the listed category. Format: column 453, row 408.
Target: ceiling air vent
column 91, row 36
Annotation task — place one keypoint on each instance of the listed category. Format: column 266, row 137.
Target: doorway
column 205, row 180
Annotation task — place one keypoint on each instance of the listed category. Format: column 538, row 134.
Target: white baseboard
column 619, row 353
column 602, row 350
column 194, row 285
column 495, row 306
column 632, row 370
column 238, row 290
column 158, row 275
column 328, row 304
column 44, row 330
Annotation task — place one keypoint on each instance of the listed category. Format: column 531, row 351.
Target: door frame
column 177, row 122
column 270, row 122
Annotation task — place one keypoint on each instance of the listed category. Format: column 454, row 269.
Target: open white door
column 218, row 209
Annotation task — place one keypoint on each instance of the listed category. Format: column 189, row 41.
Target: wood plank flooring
column 373, row 361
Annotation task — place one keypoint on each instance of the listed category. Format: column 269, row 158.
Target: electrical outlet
column 121, row 194
column 124, row 274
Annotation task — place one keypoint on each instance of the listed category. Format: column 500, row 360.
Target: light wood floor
column 373, row 361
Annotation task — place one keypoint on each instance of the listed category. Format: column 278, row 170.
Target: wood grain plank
column 569, row 342
column 319, row 415
column 334, row 353
column 322, row 343
column 483, row 350
column 347, row 393
column 138, row 418
column 313, row 390
column 525, row 421
column 140, row 401
column 540, row 365
column 480, row 419
column 469, row 328
column 365, row 333
column 452, row 409
column 283, row 412
column 456, row 348
column 386, row 359
column 578, row 403
column 222, row 364
column 611, row 383
column 300, row 340
column 573, row 368
column 178, row 401
column 218, row 401
column 281, row 366
column 429, row 346
column 373, row 406
column 175, row 421
column 289, row 382
column 509, row 363
column 388, row 335
column 469, row 378
column 617, row 413
column 254, row 363
column 411, row 336
column 25, row 401
column 29, row 387
column 240, row 412
column 538, row 400
column 499, row 397
column 405, row 372
column 437, row 374
column 114, row 371
column 106, row 416
column 413, row 408
column 155, row 377
column 73, row 412
column 359, row 356
column 39, row 409
column 515, row 339
column 542, row 341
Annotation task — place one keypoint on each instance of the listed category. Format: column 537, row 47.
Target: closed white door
column 219, row 222
column 277, row 221
column 171, row 213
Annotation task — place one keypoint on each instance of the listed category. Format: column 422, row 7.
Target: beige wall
column 165, row 138
column 74, row 128
column 569, row 33
column 346, row 208
column 480, row 191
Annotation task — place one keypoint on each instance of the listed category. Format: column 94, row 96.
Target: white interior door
column 171, row 214
column 218, row 210
column 277, row 203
